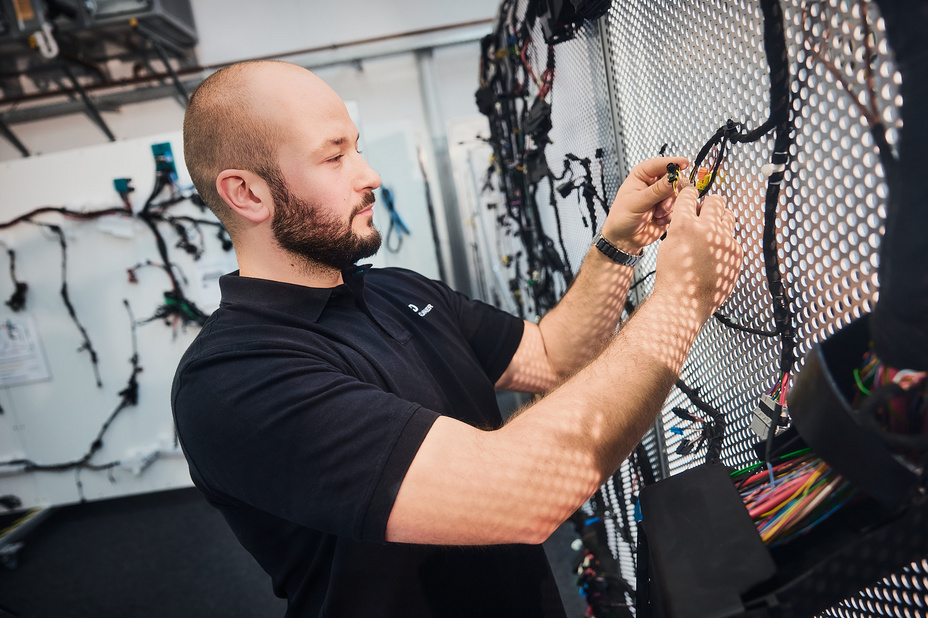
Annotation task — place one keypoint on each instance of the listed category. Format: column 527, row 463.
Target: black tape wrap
column 780, row 121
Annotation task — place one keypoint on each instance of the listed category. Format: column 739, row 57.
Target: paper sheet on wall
column 22, row 359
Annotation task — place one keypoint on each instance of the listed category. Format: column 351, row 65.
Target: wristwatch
column 614, row 253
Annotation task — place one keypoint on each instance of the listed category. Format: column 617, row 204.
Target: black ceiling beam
column 11, row 137
column 89, row 106
column 157, row 43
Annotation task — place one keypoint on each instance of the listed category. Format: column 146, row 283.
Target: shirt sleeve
column 328, row 451
column 493, row 334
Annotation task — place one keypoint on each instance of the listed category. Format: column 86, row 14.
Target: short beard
column 320, row 238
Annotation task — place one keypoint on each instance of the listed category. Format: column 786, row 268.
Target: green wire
column 801, row 451
column 748, row 469
column 860, row 385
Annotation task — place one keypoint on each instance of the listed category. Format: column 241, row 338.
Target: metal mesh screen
column 657, row 74
column 583, row 147
column 681, row 72
column 831, row 206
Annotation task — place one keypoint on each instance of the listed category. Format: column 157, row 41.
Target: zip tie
column 770, row 169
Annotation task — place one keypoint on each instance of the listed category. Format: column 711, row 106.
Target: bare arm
column 585, row 320
column 517, row 484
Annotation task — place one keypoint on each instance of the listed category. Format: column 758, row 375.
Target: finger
column 662, row 223
column 687, row 201
column 714, row 202
column 664, row 208
column 660, row 194
column 649, row 169
column 688, row 192
column 656, row 197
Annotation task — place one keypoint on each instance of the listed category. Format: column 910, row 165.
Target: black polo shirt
column 300, row 409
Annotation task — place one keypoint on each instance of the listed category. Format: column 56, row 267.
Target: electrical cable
column 780, row 122
column 714, row 430
column 730, row 323
column 128, row 397
column 72, row 214
column 796, row 495
column 397, row 225
column 65, row 296
column 176, row 307
column 431, row 210
column 17, row 301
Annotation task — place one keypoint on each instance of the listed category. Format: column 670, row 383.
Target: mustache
column 366, row 202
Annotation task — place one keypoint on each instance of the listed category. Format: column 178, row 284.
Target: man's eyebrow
column 336, row 141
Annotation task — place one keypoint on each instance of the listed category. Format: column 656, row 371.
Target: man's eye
column 336, row 159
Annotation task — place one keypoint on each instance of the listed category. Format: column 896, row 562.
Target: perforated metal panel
column 676, row 71
column 692, row 72
column 681, row 72
column 831, row 207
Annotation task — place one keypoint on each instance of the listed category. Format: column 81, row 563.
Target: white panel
column 56, row 420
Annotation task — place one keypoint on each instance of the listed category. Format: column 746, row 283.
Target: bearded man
column 344, row 418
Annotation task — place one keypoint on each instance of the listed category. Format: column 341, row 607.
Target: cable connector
column 766, row 415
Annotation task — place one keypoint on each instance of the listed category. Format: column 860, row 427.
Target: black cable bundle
column 129, row 396
column 519, row 124
column 781, row 123
column 176, row 304
column 899, row 322
column 714, row 431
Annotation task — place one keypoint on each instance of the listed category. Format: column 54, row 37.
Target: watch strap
column 614, row 253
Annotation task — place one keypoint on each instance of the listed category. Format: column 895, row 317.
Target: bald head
column 238, row 117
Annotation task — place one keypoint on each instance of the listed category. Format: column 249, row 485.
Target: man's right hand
column 699, row 261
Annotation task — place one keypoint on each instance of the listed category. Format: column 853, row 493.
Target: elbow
column 539, row 528
column 538, row 532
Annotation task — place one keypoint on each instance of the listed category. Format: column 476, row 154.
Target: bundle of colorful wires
column 779, row 390
column 804, row 492
column 905, row 414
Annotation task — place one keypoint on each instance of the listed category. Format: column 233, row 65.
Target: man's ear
column 246, row 194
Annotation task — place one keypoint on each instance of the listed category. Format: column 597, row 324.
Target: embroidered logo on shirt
column 424, row 311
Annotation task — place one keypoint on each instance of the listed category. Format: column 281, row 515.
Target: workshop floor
column 163, row 554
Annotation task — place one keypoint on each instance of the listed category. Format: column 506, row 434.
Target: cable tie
column 770, row 169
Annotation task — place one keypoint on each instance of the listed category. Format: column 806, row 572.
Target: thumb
column 658, row 197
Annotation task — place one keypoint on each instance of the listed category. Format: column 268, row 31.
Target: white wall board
column 55, row 420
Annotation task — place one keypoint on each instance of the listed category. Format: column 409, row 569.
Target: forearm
column 517, row 484
column 578, row 328
column 586, row 318
column 607, row 406
column 563, row 446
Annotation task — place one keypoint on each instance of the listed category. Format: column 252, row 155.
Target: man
column 343, row 418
